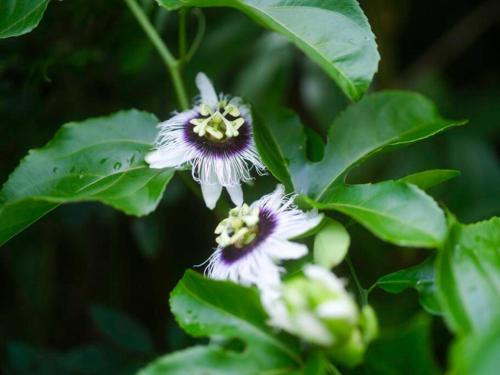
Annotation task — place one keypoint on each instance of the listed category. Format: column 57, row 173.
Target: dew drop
column 117, row 165
column 103, row 160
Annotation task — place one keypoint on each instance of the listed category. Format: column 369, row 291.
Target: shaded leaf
column 19, row 17
column 99, row 159
column 394, row 211
column 406, row 350
column 122, row 330
column 420, row 278
column 468, row 276
column 334, row 34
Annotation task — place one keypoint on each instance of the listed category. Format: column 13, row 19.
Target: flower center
column 240, row 228
column 218, row 124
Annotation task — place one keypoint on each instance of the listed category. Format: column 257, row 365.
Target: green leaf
column 270, row 152
column 379, row 122
column 100, row 159
column 331, row 244
column 477, row 354
column 405, row 350
column 427, row 179
column 394, row 211
column 122, row 330
column 224, row 310
column 334, row 34
column 420, row 278
column 468, row 276
column 19, row 17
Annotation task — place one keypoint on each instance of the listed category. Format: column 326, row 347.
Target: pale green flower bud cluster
column 215, row 125
column 240, row 228
column 316, row 307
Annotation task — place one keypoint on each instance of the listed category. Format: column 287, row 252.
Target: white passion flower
column 215, row 137
column 253, row 239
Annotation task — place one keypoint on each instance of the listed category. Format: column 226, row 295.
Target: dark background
column 89, row 58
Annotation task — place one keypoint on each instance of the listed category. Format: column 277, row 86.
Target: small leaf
column 331, row 244
column 394, row 211
column 122, row 330
column 420, row 278
column 468, row 276
column 100, row 159
column 334, row 34
column 427, row 179
column 207, row 308
column 19, row 17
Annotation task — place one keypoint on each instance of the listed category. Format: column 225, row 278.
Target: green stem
column 199, row 34
column 182, row 35
column 171, row 63
column 362, row 291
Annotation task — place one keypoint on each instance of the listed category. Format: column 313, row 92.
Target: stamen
column 215, row 125
column 240, row 228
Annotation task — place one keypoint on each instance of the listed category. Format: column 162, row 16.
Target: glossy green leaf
column 379, row 122
column 224, row 310
column 477, row 354
column 420, row 278
column 270, row 152
column 19, row 17
column 99, row 159
column 468, row 276
column 122, row 330
column 427, row 179
column 331, row 244
column 334, row 34
column 394, row 211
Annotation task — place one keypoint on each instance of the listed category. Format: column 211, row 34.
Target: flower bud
column 316, row 307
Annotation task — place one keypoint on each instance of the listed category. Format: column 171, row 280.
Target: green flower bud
column 316, row 307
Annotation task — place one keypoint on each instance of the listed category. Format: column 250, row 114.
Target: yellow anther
column 205, row 110
column 240, row 228
column 215, row 133
column 214, row 122
column 238, row 123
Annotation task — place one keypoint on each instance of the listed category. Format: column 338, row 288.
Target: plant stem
column 362, row 291
column 182, row 35
column 171, row 63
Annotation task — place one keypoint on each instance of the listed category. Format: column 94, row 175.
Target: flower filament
column 240, row 228
column 215, row 124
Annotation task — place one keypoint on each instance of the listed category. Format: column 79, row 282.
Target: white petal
column 211, row 193
column 236, row 194
column 294, row 222
column 311, row 328
column 167, row 157
column 329, row 279
column 282, row 249
column 342, row 308
column 207, row 91
column 272, row 201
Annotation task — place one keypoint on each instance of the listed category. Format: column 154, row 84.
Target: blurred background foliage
column 85, row 290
